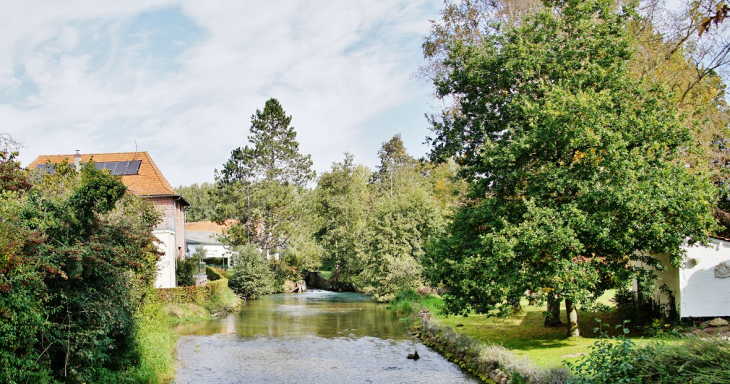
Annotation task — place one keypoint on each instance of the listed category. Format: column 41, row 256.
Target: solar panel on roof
column 48, row 168
column 120, row 167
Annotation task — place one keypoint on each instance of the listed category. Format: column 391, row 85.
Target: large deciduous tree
column 342, row 203
column 404, row 216
column 574, row 164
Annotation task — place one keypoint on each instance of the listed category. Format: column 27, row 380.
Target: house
column 203, row 235
column 142, row 177
column 700, row 287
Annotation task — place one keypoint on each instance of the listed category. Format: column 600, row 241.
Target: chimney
column 77, row 161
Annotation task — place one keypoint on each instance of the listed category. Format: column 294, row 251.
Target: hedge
column 193, row 295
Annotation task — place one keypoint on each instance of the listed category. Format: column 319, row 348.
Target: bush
column 213, row 274
column 283, row 272
column 406, row 305
column 618, row 360
column 251, row 276
column 193, row 295
column 612, row 360
column 185, row 271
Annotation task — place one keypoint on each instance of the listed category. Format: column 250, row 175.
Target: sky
column 180, row 79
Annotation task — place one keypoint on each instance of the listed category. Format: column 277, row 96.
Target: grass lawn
column 325, row 274
column 524, row 334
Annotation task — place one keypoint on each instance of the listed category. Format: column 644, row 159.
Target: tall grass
column 155, row 342
column 696, row 360
column 155, row 338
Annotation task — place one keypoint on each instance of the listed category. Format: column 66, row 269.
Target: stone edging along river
column 313, row 337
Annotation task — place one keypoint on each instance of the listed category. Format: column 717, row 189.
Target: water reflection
column 318, row 313
column 313, row 337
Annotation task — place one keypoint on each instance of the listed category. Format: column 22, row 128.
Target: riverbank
column 486, row 347
column 161, row 311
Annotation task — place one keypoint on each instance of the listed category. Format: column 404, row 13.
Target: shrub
column 251, row 276
column 406, row 304
column 284, row 272
column 193, row 295
column 612, row 360
column 185, row 271
column 213, row 274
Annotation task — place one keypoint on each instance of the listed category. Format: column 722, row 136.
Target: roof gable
column 148, row 180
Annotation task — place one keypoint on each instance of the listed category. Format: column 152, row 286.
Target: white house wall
column 211, row 250
column 167, row 263
column 703, row 294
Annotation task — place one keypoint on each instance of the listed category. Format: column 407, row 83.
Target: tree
column 574, row 165
column 251, row 277
column 12, row 176
column 201, row 204
column 262, row 186
column 77, row 255
column 404, row 217
column 342, row 204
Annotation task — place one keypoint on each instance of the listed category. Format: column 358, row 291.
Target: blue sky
column 181, row 79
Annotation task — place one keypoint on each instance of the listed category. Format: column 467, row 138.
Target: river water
column 312, row 337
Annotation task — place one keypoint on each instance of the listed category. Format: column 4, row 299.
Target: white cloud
column 183, row 79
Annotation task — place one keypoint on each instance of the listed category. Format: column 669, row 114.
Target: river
column 312, row 337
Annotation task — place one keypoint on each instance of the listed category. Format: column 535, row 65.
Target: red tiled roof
column 149, row 181
column 208, row 226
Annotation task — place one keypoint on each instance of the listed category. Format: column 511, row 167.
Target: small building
column 701, row 286
column 142, row 177
column 203, row 235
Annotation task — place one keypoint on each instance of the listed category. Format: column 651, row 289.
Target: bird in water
column 414, row 356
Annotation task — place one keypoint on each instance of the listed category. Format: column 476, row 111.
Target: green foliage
column 374, row 235
column 77, row 254
column 284, row 271
column 262, row 187
column 619, row 360
column 193, row 294
column 406, row 305
column 185, row 271
column 693, row 359
column 12, row 177
column 201, row 204
column 612, row 360
column 342, row 199
column 398, row 229
column 574, row 165
column 212, row 274
column 251, row 276
column 155, row 342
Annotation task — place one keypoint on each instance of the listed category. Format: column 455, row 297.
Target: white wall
column 211, row 250
column 703, row 294
column 167, row 263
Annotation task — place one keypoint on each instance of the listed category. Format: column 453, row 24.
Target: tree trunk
column 572, row 315
column 553, row 317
